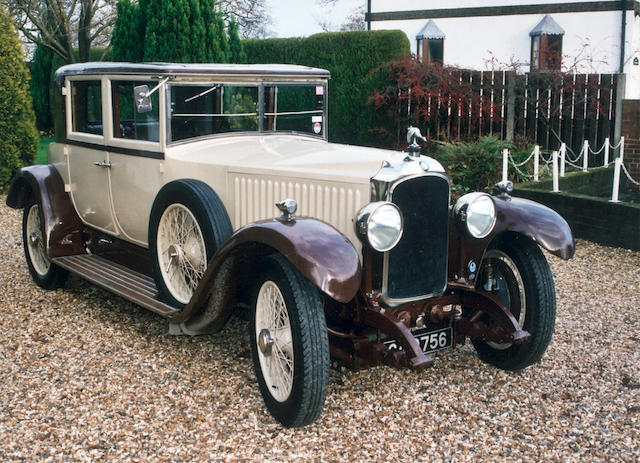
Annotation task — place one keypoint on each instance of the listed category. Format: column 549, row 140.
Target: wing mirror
column 142, row 97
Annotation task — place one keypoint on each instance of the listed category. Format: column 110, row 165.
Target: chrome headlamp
column 477, row 212
column 380, row 225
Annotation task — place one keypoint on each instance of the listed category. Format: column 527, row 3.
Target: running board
column 131, row 285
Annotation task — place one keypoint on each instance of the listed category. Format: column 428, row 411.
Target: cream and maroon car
column 195, row 190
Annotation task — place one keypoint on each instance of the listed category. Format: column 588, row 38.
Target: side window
column 128, row 123
column 86, row 104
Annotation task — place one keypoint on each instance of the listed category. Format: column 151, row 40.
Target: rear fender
column 318, row 251
column 61, row 226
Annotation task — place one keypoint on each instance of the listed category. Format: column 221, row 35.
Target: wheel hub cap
column 33, row 237
column 265, row 342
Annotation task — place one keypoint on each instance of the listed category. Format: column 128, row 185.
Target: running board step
column 133, row 286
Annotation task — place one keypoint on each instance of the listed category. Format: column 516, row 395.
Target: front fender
column 321, row 254
column 61, row 226
column 541, row 224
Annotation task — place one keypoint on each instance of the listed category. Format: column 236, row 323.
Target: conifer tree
column 235, row 45
column 225, row 52
column 198, row 33
column 128, row 30
column 174, row 30
column 18, row 134
column 40, row 83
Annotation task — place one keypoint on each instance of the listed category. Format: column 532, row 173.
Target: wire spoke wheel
column 289, row 343
column 35, row 242
column 182, row 255
column 273, row 335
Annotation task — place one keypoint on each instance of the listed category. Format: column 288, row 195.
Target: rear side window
column 86, row 104
column 128, row 122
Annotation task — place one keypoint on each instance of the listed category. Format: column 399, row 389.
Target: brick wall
column 631, row 132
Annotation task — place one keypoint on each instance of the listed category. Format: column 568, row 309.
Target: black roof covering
column 159, row 69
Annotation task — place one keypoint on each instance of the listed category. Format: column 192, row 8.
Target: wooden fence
column 546, row 109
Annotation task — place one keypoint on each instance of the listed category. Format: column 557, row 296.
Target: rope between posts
column 626, row 172
column 516, row 166
column 569, row 160
column 597, row 152
column 513, row 163
column 615, row 147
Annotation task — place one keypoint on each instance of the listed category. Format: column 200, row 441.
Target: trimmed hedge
column 18, row 134
column 352, row 58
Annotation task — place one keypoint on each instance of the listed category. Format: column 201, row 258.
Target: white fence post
column 606, row 152
column 536, row 162
column 585, row 154
column 621, row 149
column 616, row 180
column 556, row 180
column 563, row 154
column 505, row 164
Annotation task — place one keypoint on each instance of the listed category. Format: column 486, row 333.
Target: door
column 135, row 156
column 87, row 158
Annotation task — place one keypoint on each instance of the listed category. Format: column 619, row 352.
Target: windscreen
column 294, row 108
column 198, row 110
column 201, row 110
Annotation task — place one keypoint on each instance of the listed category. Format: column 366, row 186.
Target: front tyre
column 523, row 282
column 289, row 343
column 44, row 273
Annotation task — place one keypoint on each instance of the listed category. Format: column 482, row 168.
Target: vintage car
column 195, row 190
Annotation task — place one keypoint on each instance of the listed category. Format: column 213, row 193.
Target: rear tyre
column 524, row 284
column 289, row 344
column 188, row 224
column 46, row 274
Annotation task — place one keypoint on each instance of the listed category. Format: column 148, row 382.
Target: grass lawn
column 41, row 157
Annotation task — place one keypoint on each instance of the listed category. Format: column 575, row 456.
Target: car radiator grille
column 417, row 266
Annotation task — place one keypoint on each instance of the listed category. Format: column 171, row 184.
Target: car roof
column 99, row 68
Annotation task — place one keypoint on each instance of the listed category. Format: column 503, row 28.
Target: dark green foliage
column 40, row 82
column 128, row 29
column 181, row 31
column 352, row 58
column 198, row 33
column 477, row 166
column 238, row 54
column 213, row 47
column 168, row 31
column 18, row 134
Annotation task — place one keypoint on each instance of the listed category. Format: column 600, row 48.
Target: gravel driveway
column 87, row 376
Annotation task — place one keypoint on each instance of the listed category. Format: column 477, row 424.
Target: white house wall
column 591, row 39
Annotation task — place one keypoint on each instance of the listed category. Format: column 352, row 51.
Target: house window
column 430, row 43
column 546, row 45
column 86, row 104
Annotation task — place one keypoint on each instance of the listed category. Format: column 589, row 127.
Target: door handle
column 102, row 164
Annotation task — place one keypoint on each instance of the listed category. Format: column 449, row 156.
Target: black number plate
column 430, row 341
